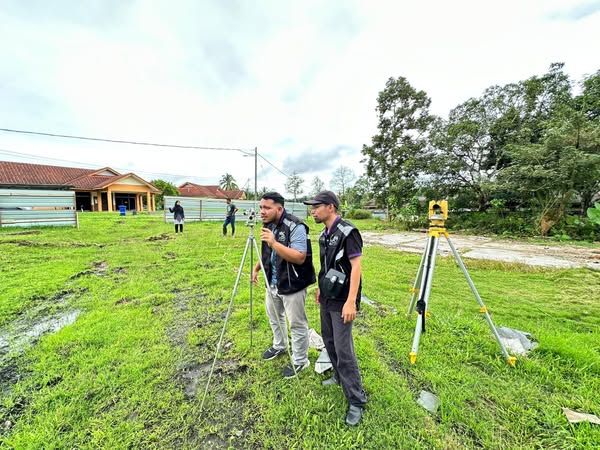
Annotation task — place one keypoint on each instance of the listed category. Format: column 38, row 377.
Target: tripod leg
column 229, row 308
column 511, row 360
column 268, row 288
column 251, row 287
column 424, row 291
column 417, row 283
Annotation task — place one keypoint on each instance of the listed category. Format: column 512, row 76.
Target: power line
column 152, row 144
column 89, row 165
column 274, row 166
column 119, row 141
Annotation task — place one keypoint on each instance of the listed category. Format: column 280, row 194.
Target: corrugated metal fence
column 27, row 208
column 197, row 209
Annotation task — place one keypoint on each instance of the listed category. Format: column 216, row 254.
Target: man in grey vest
column 287, row 258
column 339, row 294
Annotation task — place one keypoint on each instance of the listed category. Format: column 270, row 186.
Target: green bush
column 576, row 227
column 359, row 214
column 494, row 222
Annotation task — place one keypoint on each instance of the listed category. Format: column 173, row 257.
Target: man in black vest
column 339, row 294
column 287, row 258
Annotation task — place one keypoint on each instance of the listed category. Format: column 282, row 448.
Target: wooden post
column 148, row 201
column 153, row 202
column 109, row 199
column 99, row 200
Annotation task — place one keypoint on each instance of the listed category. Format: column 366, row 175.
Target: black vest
column 333, row 256
column 290, row 277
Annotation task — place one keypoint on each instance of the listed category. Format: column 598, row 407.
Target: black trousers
column 180, row 227
column 229, row 220
column 337, row 337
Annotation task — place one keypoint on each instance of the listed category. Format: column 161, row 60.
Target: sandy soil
column 477, row 247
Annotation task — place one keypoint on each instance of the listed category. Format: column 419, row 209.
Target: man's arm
column 290, row 254
column 349, row 309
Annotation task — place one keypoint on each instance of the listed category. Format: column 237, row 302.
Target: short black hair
column 275, row 196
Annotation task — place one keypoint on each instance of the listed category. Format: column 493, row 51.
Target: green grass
column 152, row 311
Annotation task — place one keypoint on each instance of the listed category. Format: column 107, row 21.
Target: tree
column 294, row 184
column 397, row 153
column 342, row 179
column 586, row 124
column 228, row 183
column 359, row 194
column 550, row 173
column 167, row 188
column 318, row 185
column 470, row 146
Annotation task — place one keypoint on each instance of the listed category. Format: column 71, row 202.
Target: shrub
column 359, row 214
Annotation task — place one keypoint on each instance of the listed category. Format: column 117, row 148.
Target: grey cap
column 324, row 198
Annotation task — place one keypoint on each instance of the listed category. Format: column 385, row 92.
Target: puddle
column 21, row 334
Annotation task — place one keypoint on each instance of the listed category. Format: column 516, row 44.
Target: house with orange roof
column 209, row 191
column 103, row 189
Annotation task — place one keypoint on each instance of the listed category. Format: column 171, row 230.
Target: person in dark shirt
column 178, row 216
column 230, row 218
column 339, row 295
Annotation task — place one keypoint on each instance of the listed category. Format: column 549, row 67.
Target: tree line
column 531, row 146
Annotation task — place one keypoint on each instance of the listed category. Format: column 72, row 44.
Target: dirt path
column 556, row 256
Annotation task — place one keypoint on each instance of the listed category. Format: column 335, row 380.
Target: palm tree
column 228, row 182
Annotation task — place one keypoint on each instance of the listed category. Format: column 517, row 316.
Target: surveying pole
column 419, row 301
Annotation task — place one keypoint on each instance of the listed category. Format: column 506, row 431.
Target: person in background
column 230, row 218
column 178, row 216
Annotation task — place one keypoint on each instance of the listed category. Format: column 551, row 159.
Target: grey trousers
column 337, row 337
column 278, row 307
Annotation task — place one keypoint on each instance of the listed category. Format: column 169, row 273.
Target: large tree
column 396, row 155
column 552, row 172
column 167, row 188
column 227, row 182
column 294, row 184
column 317, row 185
column 471, row 146
column 342, row 179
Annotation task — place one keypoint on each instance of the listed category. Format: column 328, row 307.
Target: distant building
column 95, row 190
column 209, row 191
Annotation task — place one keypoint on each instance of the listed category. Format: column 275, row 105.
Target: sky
column 297, row 80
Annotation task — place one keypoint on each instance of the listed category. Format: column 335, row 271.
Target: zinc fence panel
column 26, row 208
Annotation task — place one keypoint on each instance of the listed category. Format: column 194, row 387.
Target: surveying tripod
column 438, row 214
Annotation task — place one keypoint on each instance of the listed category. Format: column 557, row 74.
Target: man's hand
column 349, row 311
column 255, row 276
column 267, row 236
column 317, row 294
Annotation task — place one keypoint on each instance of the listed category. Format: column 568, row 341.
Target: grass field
column 144, row 308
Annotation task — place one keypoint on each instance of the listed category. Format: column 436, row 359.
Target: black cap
column 324, row 198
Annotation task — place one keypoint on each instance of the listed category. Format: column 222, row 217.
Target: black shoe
column 273, row 353
column 289, row 371
column 354, row 415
